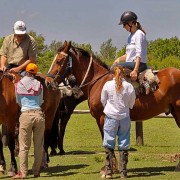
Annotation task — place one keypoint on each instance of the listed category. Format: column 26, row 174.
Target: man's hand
column 3, row 68
column 15, row 70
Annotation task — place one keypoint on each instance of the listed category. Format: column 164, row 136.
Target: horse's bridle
column 8, row 75
column 56, row 76
column 3, row 74
column 69, row 66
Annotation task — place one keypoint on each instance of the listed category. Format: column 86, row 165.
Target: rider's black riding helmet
column 127, row 16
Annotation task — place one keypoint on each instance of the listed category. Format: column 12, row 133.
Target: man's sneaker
column 19, row 175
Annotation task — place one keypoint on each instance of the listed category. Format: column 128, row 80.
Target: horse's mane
column 41, row 77
column 95, row 58
column 85, row 53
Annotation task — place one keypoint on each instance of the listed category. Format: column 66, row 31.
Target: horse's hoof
column 53, row 153
column 2, row 170
column 44, row 166
column 62, row 152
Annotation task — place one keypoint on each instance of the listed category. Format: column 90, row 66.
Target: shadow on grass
column 69, row 170
column 87, row 152
column 62, row 170
column 132, row 149
column 56, row 171
column 78, row 152
column 144, row 172
column 149, row 171
column 158, row 146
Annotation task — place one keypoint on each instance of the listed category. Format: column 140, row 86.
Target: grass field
column 85, row 156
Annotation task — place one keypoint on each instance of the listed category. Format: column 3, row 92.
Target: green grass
column 83, row 105
column 85, row 156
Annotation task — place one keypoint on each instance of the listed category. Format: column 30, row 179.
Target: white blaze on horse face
column 52, row 63
column 64, row 54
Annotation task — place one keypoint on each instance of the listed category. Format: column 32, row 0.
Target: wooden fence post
column 139, row 134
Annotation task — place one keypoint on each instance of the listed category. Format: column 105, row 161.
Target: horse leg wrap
column 123, row 163
column 108, row 168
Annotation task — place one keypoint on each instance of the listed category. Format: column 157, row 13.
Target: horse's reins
column 7, row 74
column 81, row 85
column 48, row 74
column 94, row 79
column 69, row 65
column 88, row 69
column 55, row 76
column 3, row 74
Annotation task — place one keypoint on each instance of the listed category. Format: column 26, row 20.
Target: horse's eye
column 59, row 62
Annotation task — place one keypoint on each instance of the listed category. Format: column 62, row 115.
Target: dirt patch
column 170, row 157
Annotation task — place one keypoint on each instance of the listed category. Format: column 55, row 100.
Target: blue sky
column 90, row 21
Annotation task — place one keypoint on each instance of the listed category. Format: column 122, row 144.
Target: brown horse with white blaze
column 91, row 74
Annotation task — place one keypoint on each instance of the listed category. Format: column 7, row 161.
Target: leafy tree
column 121, row 51
column 46, row 53
column 40, row 41
column 107, row 52
column 86, row 47
column 55, row 45
column 162, row 48
column 169, row 61
column 1, row 41
column 45, row 60
column 164, row 53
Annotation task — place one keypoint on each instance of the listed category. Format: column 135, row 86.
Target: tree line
column 161, row 53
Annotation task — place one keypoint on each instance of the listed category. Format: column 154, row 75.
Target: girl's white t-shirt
column 136, row 46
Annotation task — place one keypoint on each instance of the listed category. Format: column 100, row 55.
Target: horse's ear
column 65, row 44
column 68, row 46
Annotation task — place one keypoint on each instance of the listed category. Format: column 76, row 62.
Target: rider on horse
column 136, row 48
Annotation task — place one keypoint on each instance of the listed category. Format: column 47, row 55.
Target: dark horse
column 71, row 96
column 91, row 74
column 9, row 113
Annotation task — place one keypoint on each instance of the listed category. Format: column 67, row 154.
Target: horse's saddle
column 69, row 87
column 146, row 76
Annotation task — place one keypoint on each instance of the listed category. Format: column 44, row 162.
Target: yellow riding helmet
column 32, row 68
